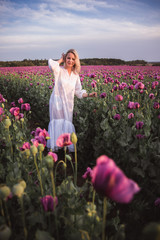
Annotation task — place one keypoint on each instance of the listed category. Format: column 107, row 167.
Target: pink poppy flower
column 110, row 181
column 131, row 105
column 39, row 139
column 26, row 145
column 54, row 156
column 20, row 100
column 103, row 95
column 25, row 107
column 2, row 99
column 131, row 115
column 14, row 111
column 1, row 111
column 136, row 105
column 151, row 96
column 88, row 173
column 119, row 97
column 139, row 85
column 49, row 203
column 64, row 140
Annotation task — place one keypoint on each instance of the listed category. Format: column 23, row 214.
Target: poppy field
column 109, row 188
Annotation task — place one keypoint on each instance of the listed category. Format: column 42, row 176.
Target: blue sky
column 36, row 29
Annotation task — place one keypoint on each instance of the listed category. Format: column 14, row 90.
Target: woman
column 67, row 84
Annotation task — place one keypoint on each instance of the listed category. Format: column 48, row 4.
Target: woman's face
column 70, row 60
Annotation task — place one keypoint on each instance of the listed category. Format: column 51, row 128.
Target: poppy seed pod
column 7, row 123
column 26, row 152
column 4, row 192
column 73, row 138
column 5, row 232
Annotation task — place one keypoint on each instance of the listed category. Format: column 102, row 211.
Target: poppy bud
column 23, row 183
column 73, row 138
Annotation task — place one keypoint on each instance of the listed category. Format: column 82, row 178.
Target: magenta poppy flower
column 117, row 116
column 110, row 181
column 25, row 107
column 20, row 100
column 131, row 115
column 49, row 203
column 25, row 146
column 88, row 173
column 1, row 111
column 157, row 202
column 136, row 105
column 131, row 105
column 39, row 139
column 103, row 95
column 130, row 87
column 64, row 140
column 151, row 96
column 139, row 85
column 119, row 97
column 14, row 111
column 54, row 156
column 156, row 105
column 2, row 99
column 93, row 84
column 40, row 132
column 139, row 124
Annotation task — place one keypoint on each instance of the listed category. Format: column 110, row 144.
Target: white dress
column 61, row 103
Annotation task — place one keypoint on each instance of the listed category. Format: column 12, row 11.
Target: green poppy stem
column 65, row 160
column 75, row 173
column 53, row 183
column 2, row 211
column 23, row 218
column 7, row 214
column 104, row 218
column 39, row 176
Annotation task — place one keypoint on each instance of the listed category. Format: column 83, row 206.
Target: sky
column 121, row 29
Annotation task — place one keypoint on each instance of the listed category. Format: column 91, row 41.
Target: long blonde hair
column 77, row 66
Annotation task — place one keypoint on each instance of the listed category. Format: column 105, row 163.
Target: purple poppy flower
column 103, row 95
column 156, row 105
column 88, row 173
column 139, row 124
column 139, row 85
column 110, row 181
column 119, row 97
column 157, row 202
column 49, row 203
column 13, row 104
column 130, row 87
column 25, row 107
column 117, row 116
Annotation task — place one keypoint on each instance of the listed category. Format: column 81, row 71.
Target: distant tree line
column 85, row 61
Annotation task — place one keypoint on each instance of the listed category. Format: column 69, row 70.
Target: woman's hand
column 93, row 94
column 61, row 60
